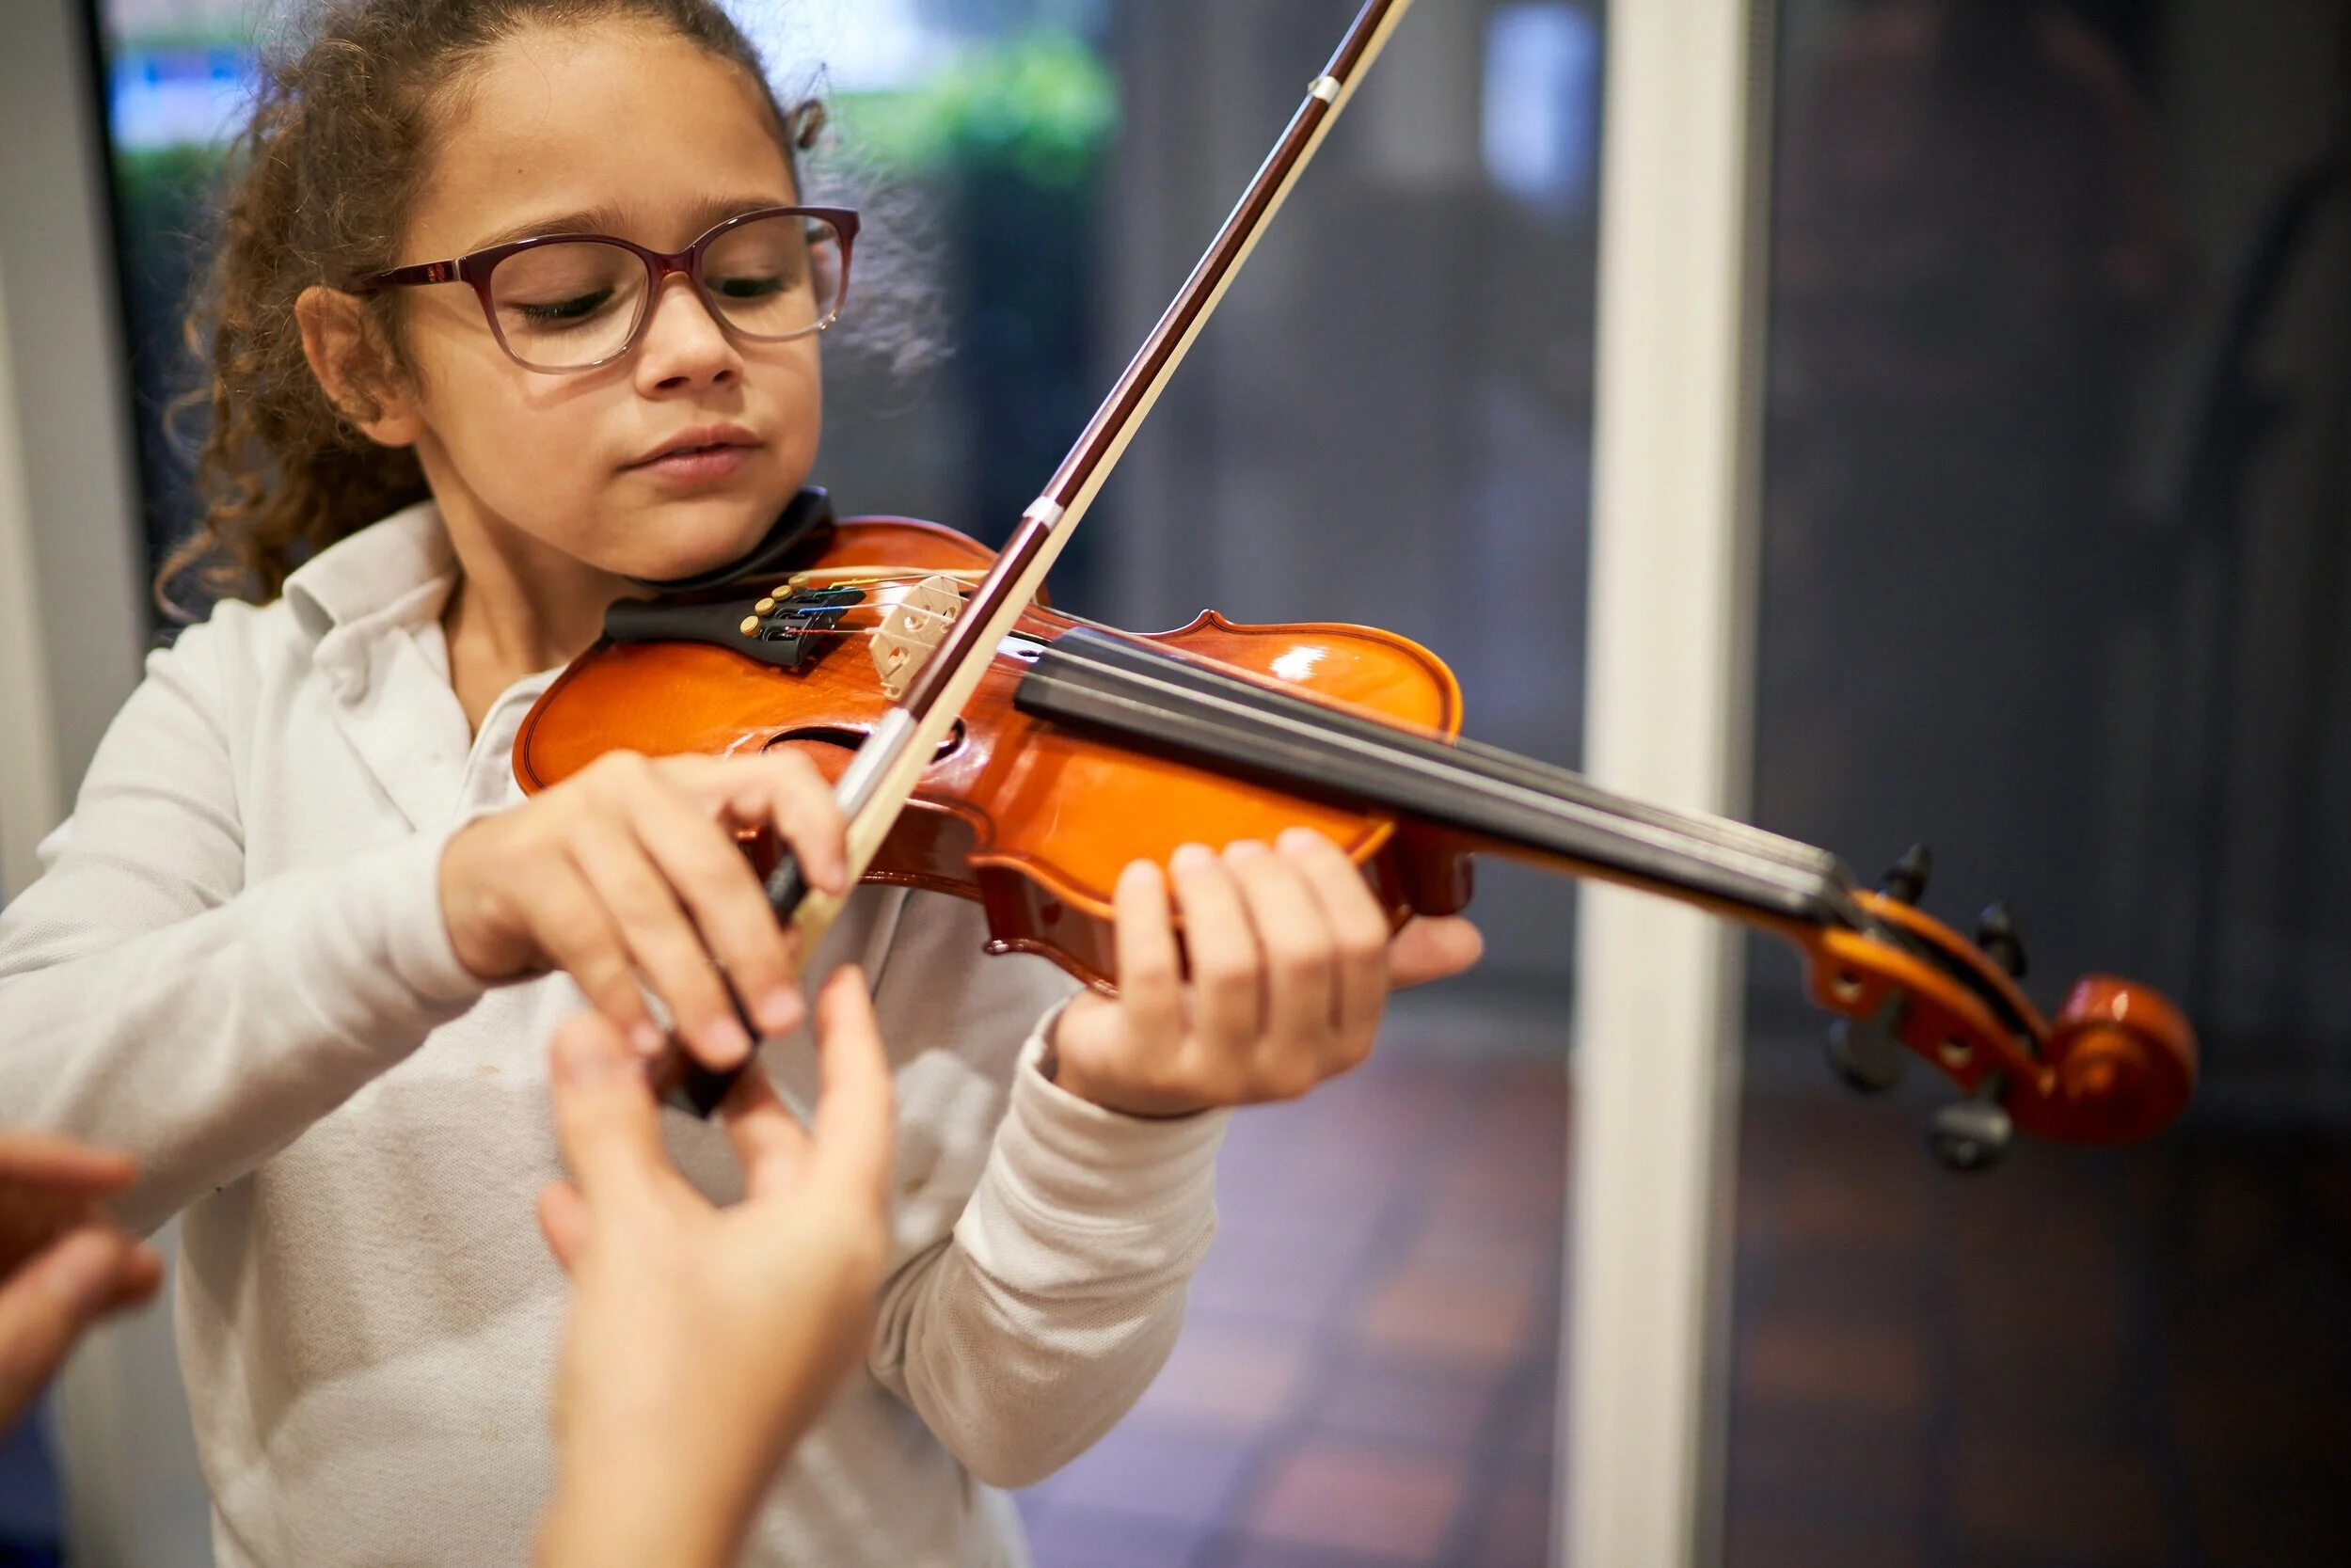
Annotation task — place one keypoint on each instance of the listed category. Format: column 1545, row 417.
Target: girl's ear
column 351, row 367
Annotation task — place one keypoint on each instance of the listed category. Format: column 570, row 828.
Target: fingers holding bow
column 629, row 876
column 608, row 1128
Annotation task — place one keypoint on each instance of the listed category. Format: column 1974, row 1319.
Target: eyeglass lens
column 577, row 303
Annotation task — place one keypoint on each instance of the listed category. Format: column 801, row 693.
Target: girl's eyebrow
column 609, row 220
column 593, row 220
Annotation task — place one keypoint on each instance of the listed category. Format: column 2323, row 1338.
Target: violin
column 1084, row 748
column 987, row 746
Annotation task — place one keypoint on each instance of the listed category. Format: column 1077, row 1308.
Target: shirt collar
column 392, row 575
column 373, row 604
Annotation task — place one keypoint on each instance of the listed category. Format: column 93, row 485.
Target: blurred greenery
column 166, row 180
column 1041, row 103
column 191, row 23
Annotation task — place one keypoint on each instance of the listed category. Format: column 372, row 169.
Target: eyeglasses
column 572, row 302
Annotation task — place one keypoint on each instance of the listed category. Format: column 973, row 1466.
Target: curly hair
column 322, row 183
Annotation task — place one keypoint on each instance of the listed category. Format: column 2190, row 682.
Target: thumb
column 81, row 1277
column 1432, row 948
column 563, row 1221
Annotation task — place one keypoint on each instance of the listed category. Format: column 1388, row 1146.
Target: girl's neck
column 519, row 607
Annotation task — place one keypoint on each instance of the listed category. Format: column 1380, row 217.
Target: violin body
column 1032, row 819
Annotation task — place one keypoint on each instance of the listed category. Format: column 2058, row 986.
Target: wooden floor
column 1366, row 1375
column 2096, row 1357
column 2085, row 1359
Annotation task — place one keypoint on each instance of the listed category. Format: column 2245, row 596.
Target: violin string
column 871, row 630
column 912, row 576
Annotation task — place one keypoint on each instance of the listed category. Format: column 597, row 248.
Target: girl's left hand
column 1292, row 963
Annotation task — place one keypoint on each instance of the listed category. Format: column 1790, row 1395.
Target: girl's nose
column 683, row 343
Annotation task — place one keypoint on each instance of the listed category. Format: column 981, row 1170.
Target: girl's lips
column 698, row 465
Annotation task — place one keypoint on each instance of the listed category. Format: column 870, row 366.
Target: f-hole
column 849, row 740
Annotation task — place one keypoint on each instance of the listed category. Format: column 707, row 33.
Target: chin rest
column 798, row 534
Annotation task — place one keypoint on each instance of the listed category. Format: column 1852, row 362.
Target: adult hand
column 630, row 868
column 703, row 1341
column 1292, row 962
column 63, row 1263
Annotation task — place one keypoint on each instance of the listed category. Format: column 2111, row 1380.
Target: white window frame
column 69, row 529
column 1676, row 442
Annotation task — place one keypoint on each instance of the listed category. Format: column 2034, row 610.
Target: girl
column 292, row 948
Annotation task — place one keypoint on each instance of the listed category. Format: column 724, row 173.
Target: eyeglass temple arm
column 422, row 272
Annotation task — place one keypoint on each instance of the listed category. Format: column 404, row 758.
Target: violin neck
column 1163, row 701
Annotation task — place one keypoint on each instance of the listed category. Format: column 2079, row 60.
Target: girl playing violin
column 518, row 301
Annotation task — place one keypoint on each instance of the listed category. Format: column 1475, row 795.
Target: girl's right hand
column 631, row 868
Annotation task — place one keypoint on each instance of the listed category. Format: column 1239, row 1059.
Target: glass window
column 2054, row 580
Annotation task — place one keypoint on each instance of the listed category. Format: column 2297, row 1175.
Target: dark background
column 2054, row 580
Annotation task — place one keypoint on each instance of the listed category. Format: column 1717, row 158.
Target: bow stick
column 883, row 775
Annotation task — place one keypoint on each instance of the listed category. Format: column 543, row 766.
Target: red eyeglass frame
column 475, row 267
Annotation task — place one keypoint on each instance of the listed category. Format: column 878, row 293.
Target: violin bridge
column 912, row 630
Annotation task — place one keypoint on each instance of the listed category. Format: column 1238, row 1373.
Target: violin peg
column 2002, row 940
column 1970, row 1135
column 1866, row 1053
column 1906, row 879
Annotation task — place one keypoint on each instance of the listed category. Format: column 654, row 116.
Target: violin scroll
column 2124, row 1058
column 2118, row 1063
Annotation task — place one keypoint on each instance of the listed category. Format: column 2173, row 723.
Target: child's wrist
column 1056, row 1070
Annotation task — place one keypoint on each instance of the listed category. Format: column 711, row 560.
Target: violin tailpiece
column 784, row 632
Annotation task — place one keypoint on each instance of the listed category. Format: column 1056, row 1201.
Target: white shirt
column 236, row 967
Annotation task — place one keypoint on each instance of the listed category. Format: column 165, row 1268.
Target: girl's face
column 678, row 457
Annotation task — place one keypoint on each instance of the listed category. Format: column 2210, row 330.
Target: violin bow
column 888, row 766
column 957, row 640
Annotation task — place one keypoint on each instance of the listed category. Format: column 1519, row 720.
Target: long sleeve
column 1024, row 1332
column 151, row 1000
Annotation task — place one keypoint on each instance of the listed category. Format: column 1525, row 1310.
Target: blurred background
column 2055, row 504
column 2051, row 575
